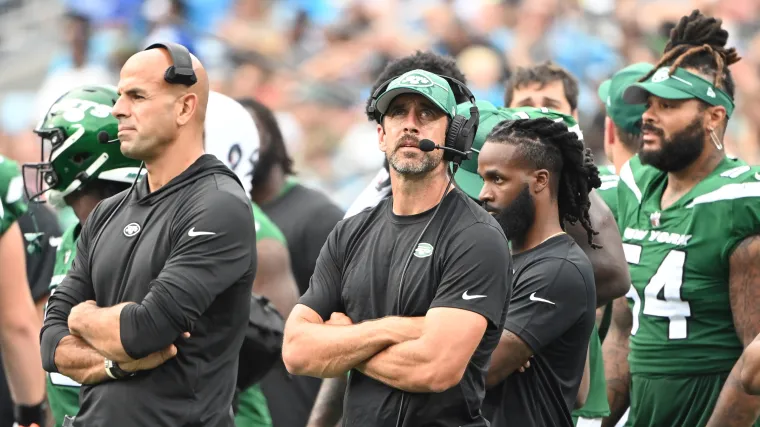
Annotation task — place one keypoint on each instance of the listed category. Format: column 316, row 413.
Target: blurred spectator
column 80, row 70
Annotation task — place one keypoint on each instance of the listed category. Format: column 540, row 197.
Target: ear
column 609, row 132
column 540, row 181
column 381, row 137
column 715, row 116
column 187, row 106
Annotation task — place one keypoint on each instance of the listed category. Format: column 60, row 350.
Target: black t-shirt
column 306, row 217
column 553, row 310
column 463, row 252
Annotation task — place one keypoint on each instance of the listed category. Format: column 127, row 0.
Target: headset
column 461, row 131
column 181, row 71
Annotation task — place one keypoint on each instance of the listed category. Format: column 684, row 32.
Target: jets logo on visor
column 415, row 80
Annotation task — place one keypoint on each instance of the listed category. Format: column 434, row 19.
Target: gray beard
column 412, row 167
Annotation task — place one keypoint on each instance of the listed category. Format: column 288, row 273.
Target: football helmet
column 72, row 154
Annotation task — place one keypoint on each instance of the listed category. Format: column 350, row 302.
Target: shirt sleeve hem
column 463, row 306
column 524, row 335
column 50, row 340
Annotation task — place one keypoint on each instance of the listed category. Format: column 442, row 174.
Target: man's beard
column 411, row 166
column 263, row 167
column 518, row 217
column 677, row 152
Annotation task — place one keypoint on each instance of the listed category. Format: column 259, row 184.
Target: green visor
column 680, row 85
column 467, row 177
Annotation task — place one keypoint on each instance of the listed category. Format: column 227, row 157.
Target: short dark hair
column 630, row 141
column 269, row 131
column 546, row 144
column 428, row 61
column 699, row 42
column 543, row 74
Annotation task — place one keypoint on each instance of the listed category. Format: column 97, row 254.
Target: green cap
column 431, row 86
column 625, row 116
column 467, row 177
column 680, row 85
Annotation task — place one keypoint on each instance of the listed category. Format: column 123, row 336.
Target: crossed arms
column 415, row 354
column 77, row 334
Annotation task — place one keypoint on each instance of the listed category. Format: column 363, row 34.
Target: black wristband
column 28, row 415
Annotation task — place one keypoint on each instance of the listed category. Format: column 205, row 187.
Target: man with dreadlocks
column 689, row 216
column 537, row 176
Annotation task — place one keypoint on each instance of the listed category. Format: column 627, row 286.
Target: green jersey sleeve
column 64, row 255
column 608, row 190
column 12, row 203
column 265, row 228
column 740, row 202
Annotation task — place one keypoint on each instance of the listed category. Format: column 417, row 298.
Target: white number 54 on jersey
column 669, row 276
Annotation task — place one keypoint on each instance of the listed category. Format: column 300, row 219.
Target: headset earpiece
column 181, row 70
column 461, row 132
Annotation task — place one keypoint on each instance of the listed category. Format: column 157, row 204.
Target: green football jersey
column 62, row 391
column 679, row 263
column 12, row 203
column 608, row 190
column 265, row 228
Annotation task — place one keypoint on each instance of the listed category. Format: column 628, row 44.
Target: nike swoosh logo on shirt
column 469, row 297
column 193, row 233
column 533, row 297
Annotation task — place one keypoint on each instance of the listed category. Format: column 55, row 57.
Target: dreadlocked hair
column 699, row 42
column 546, row 144
column 428, row 61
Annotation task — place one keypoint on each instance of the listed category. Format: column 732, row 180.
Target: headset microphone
column 428, row 145
column 103, row 138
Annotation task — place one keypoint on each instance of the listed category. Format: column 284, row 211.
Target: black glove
column 27, row 416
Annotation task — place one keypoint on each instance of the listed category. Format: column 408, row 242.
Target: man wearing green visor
column 622, row 128
column 410, row 295
column 689, row 216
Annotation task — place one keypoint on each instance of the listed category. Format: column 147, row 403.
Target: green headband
column 680, row 85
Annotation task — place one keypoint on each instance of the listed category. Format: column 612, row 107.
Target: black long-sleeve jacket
column 186, row 255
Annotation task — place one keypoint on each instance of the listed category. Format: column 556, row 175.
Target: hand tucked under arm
column 314, row 348
column 434, row 362
column 100, row 328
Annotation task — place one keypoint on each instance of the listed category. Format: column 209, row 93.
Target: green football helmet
column 70, row 132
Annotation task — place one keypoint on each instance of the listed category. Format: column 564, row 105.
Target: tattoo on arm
column 615, row 350
column 734, row 406
column 510, row 354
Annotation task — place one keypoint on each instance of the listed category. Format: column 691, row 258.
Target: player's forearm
column 410, row 366
column 20, row 348
column 615, row 350
column 327, row 351
column 735, row 408
column 79, row 361
column 750, row 374
column 328, row 407
column 101, row 329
